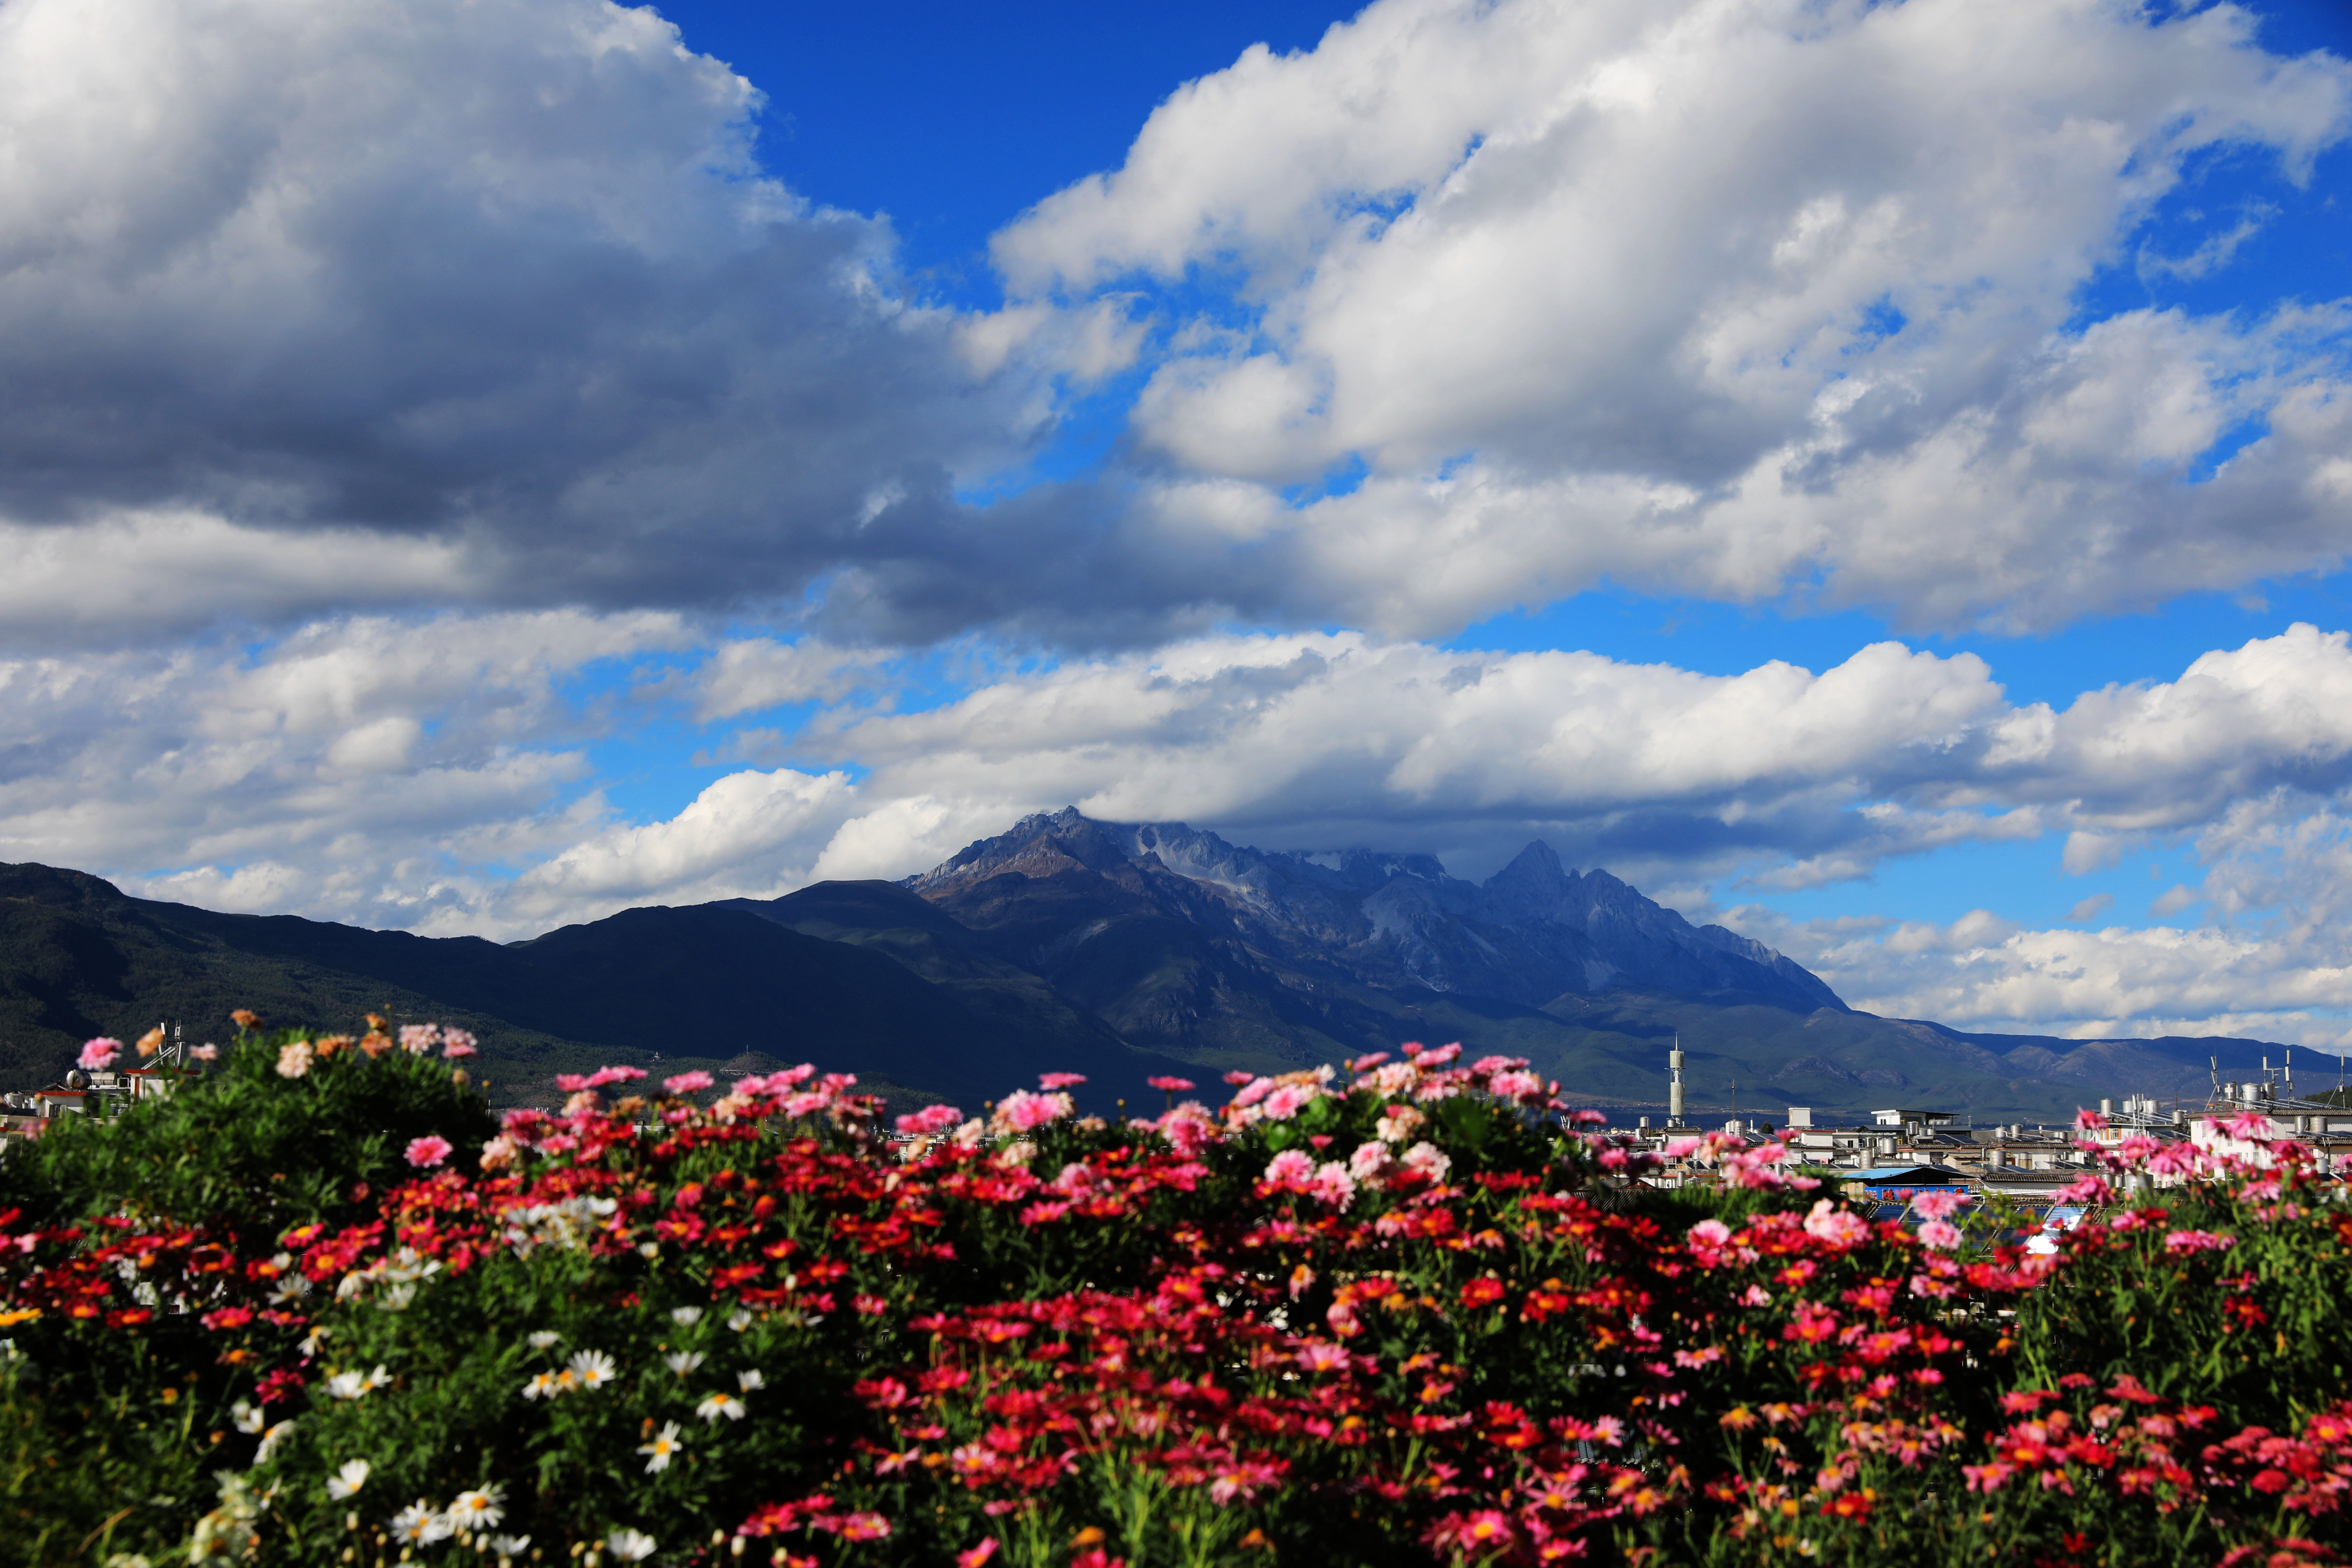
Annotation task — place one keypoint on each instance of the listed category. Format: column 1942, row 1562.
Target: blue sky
column 477, row 466
column 952, row 120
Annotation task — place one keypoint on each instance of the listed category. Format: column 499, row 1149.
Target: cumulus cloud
column 1732, row 299
column 372, row 770
column 432, row 775
column 376, row 303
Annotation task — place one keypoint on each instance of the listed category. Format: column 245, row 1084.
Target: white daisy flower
column 594, row 1368
column 509, row 1545
column 478, row 1509
column 718, row 1404
column 348, row 1480
column 686, row 1317
column 419, row 1524
column 684, row 1362
column 248, row 1419
column 542, row 1385
column 630, row 1545
column 749, row 1380
column 665, row 1443
column 543, row 1339
column 348, row 1385
column 270, row 1439
column 739, row 1320
column 649, row 1250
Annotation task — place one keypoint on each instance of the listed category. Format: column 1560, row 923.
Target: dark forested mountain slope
column 1115, row 950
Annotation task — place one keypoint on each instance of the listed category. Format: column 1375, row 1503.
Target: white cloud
column 1724, row 298
column 430, row 775
column 372, row 770
column 386, row 302
column 749, row 835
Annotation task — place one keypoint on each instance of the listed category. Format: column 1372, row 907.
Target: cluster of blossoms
column 296, row 1056
column 1413, row 1308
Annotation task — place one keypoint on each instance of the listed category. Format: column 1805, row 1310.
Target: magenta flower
column 687, row 1082
column 2197, row 1241
column 603, row 1076
column 429, row 1149
column 929, row 1120
column 457, row 1043
column 1171, row 1085
column 97, row 1055
column 1050, row 1081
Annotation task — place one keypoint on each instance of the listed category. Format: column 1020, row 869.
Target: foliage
column 1410, row 1314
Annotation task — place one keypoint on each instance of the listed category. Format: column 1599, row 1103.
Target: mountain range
column 1117, row 950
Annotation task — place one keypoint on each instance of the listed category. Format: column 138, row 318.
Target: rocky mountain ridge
column 1530, row 933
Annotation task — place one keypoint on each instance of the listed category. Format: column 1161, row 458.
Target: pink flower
column 687, row 1082
column 1755, row 1295
column 1171, row 1085
column 2197, row 1241
column 1587, row 1118
column 1711, row 1233
column 1440, row 1056
column 1319, row 1355
column 1189, row 1128
column 2251, row 1125
column 1238, row 1077
column 978, row 1556
column 1286, row 1102
column 603, row 1076
column 1290, row 1170
column 429, row 1149
column 97, row 1055
column 1370, row 1164
column 457, row 1043
column 1367, row 1062
column 1938, row 1205
column 418, row 1039
column 206, row 1052
column 1050, row 1081
column 2087, row 1120
column 1253, row 1091
column 1515, row 1085
column 1333, row 1186
column 929, row 1120
column 1940, row 1234
column 1429, row 1160
column 1840, row 1228
column 1026, row 1111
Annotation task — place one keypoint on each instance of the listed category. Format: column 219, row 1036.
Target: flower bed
column 318, row 1307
